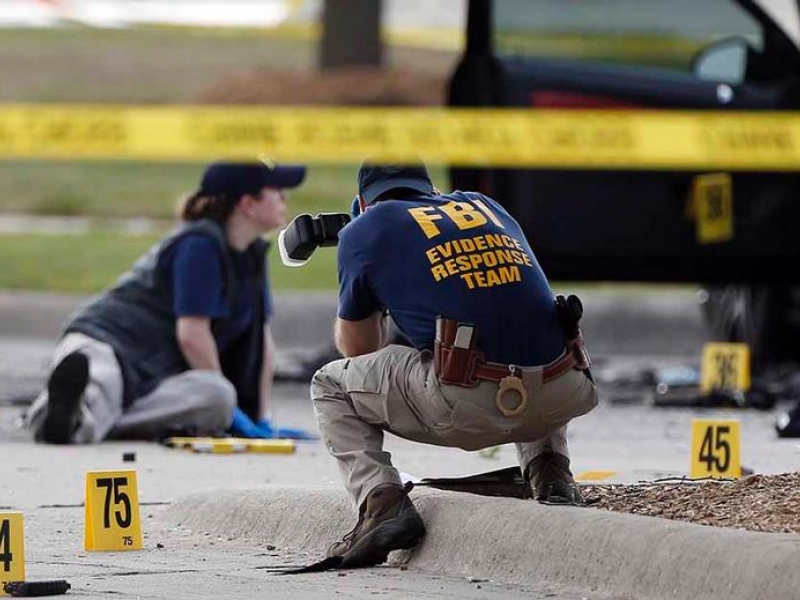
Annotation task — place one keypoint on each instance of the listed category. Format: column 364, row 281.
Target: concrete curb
column 522, row 542
column 616, row 321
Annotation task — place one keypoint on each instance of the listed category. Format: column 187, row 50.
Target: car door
column 635, row 224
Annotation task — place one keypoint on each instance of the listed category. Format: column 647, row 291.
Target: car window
column 786, row 13
column 651, row 32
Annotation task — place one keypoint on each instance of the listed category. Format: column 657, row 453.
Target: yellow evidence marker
column 725, row 367
column 12, row 549
column 595, row 475
column 716, row 449
column 271, row 446
column 112, row 511
column 231, row 445
column 711, row 204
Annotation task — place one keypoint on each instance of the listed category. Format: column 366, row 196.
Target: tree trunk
column 351, row 34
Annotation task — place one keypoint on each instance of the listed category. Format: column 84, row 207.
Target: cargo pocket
column 367, row 384
column 424, row 397
column 571, row 396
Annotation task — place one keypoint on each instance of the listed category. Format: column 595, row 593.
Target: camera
column 305, row 234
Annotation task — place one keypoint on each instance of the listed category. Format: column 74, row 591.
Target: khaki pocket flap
column 364, row 374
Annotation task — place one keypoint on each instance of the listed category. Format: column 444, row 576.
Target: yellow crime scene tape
column 691, row 140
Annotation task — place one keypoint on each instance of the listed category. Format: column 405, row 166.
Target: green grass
column 95, row 189
column 111, row 189
column 67, row 263
column 88, row 263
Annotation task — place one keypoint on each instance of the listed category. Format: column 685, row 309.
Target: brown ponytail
column 202, row 206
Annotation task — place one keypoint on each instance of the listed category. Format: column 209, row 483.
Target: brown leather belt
column 458, row 362
column 496, row 372
column 489, row 371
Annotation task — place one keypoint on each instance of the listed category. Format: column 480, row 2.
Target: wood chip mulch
column 769, row 503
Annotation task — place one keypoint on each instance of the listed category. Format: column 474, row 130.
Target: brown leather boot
column 551, row 480
column 387, row 521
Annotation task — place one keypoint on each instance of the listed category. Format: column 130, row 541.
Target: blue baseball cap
column 374, row 180
column 237, row 179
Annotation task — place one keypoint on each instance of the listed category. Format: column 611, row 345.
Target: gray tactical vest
column 136, row 317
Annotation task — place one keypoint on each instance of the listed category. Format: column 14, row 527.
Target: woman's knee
column 214, row 392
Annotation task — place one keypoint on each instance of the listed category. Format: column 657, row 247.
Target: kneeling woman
column 181, row 343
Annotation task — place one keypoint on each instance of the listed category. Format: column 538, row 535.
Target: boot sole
column 65, row 387
column 375, row 547
column 559, row 501
column 555, row 499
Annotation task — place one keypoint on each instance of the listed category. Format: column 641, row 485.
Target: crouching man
column 493, row 361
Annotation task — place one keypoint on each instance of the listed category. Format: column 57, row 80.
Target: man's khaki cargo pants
column 396, row 390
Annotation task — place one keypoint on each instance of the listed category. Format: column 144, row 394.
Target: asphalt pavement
column 204, row 556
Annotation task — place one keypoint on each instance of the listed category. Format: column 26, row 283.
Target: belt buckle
column 507, row 384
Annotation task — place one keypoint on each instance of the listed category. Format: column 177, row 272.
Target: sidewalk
column 635, row 328
column 226, row 517
column 215, row 508
column 522, row 542
column 618, row 322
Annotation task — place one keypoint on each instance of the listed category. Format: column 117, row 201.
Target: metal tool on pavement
column 30, row 589
column 231, row 445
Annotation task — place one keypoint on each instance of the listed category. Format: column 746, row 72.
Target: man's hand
column 355, row 338
column 355, row 208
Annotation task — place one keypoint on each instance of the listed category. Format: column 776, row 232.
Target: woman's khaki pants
column 199, row 401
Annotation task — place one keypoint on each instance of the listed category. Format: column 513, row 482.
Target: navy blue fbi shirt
column 459, row 255
column 199, row 288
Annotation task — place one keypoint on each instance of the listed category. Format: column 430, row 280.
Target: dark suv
column 632, row 225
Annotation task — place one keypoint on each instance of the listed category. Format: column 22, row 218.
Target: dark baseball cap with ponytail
column 237, row 179
column 224, row 183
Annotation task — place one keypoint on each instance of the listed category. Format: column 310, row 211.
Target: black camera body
column 306, row 233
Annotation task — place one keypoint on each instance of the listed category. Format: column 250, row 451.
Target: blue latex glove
column 243, row 426
column 292, row 433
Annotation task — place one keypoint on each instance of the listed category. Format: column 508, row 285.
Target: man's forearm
column 356, row 338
